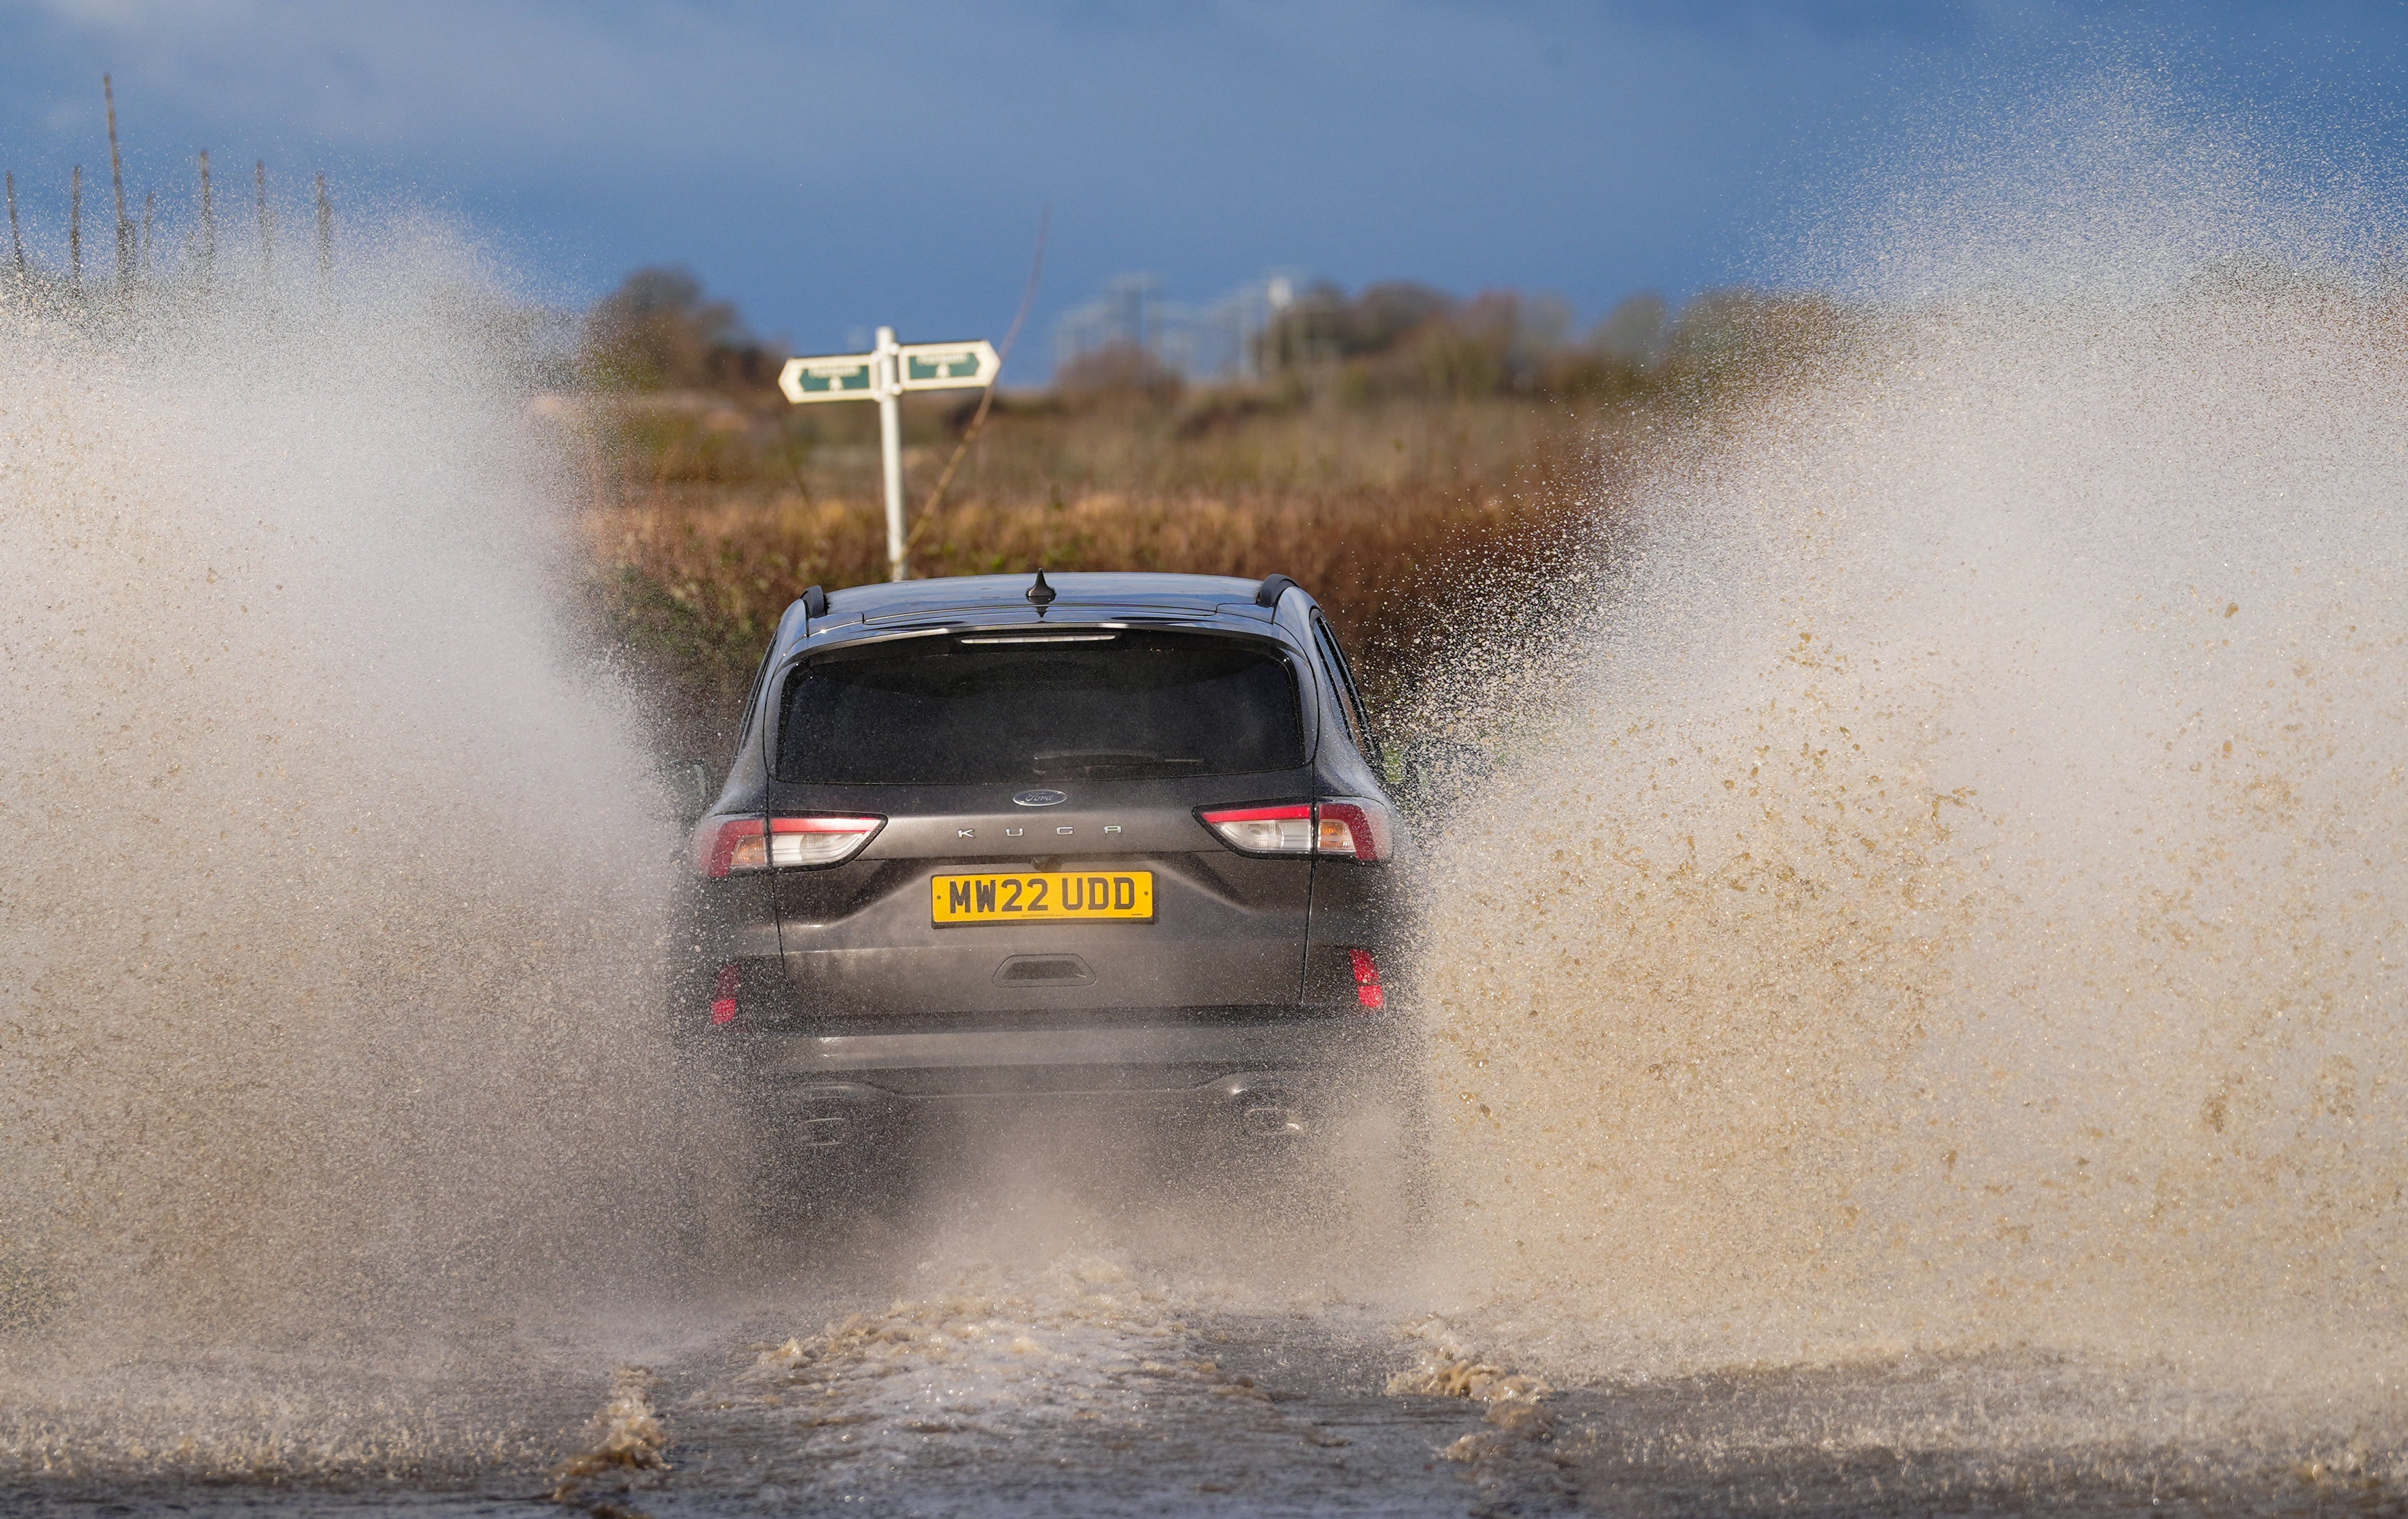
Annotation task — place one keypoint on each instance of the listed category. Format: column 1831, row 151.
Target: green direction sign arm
column 948, row 366
column 833, row 376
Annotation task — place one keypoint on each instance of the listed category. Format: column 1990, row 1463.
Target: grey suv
column 1117, row 839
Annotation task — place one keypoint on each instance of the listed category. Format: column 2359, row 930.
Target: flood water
column 1912, row 1021
column 1017, row 1376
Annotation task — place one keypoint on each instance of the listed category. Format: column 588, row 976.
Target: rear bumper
column 957, row 1062
column 1267, row 1079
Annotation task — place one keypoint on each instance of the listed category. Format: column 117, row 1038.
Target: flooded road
column 1047, row 1341
column 1084, row 1387
column 1096, row 1402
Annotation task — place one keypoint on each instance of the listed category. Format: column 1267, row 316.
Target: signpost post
column 882, row 375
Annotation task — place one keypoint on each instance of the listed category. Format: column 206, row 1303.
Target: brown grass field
column 691, row 575
column 705, row 512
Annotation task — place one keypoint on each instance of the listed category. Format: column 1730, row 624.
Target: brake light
column 1368, row 990
column 722, row 994
column 1356, row 828
column 733, row 846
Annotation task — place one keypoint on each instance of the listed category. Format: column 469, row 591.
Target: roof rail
column 1272, row 588
column 815, row 602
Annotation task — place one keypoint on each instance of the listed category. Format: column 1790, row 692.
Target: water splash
column 329, row 875
column 1968, row 913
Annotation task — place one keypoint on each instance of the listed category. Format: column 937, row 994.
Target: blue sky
column 831, row 167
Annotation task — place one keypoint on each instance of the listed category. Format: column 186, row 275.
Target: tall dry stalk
column 266, row 232
column 209, row 222
column 325, row 243
column 74, row 230
column 986, row 396
column 125, row 249
column 16, row 234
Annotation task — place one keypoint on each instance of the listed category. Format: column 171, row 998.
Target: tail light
column 1354, row 829
column 1286, row 829
column 810, row 841
column 732, row 846
column 722, row 994
column 1368, row 990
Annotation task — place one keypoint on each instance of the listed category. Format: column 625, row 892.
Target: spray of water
column 1956, row 904
column 329, row 883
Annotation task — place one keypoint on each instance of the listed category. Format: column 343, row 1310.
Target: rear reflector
column 722, row 994
column 732, row 846
column 1352, row 829
column 1368, row 990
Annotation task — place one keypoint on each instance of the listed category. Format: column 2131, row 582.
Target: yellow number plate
column 1052, row 897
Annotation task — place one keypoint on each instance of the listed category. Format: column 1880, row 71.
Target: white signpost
column 882, row 375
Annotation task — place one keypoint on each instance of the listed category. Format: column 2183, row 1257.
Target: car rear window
column 965, row 709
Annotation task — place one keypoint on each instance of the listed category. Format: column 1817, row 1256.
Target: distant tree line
column 659, row 331
column 1398, row 338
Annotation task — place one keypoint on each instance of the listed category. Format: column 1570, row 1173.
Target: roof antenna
column 1040, row 594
